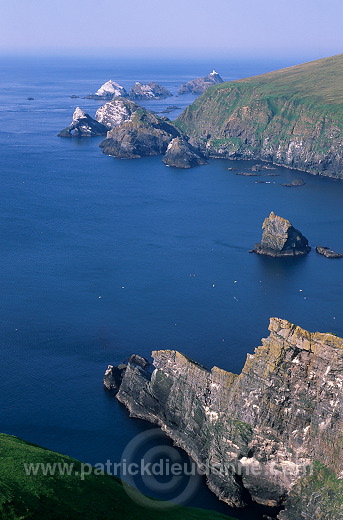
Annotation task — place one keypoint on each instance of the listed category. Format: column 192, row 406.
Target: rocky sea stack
column 150, row 90
column 108, row 90
column 143, row 134
column 116, row 112
column 326, row 251
column 83, row 125
column 181, row 154
column 199, row 85
column 280, row 239
column 260, row 424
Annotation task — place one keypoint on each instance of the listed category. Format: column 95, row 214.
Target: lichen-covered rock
column 325, row 251
column 108, row 90
column 116, row 112
column 261, row 430
column 83, row 125
column 280, row 238
column 143, row 134
column 199, row 85
column 181, row 154
column 150, row 90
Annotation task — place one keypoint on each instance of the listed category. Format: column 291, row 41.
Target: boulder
column 83, row 125
column 181, row 154
column 280, row 238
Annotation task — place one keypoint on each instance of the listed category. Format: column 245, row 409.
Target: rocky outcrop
column 143, row 134
column 150, row 90
column 199, row 85
column 83, row 125
column 116, row 112
column 294, row 183
column 291, row 117
column 259, row 433
column 108, row 90
column 325, row 251
column 280, row 238
column 181, row 154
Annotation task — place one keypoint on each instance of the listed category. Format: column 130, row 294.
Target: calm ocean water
column 102, row 257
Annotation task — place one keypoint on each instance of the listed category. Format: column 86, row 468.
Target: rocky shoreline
column 264, row 418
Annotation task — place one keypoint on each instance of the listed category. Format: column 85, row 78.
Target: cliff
column 274, row 432
column 292, row 117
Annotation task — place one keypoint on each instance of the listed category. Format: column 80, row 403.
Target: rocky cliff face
column 143, row 134
column 181, row 154
column 199, row 85
column 150, row 90
column 292, row 117
column 116, row 112
column 280, row 238
column 260, row 429
column 83, row 125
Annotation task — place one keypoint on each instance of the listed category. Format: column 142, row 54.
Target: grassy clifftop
column 292, row 116
column 61, row 497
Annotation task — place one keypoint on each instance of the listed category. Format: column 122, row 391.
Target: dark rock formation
column 325, row 251
column 30, row 99
column 116, row 112
column 83, row 125
column 150, row 90
column 294, row 183
column 259, row 430
column 280, row 238
column 199, row 85
column 181, row 154
column 143, row 134
column 108, row 90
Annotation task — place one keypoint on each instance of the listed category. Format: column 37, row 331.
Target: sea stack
column 83, row 125
column 280, row 238
column 181, row 154
column 108, row 90
column 199, row 85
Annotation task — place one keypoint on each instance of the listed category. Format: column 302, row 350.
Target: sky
column 235, row 28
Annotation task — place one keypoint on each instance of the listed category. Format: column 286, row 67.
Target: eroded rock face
column 282, row 413
column 150, row 90
column 83, row 125
column 116, row 112
column 108, row 90
column 143, row 134
column 280, row 238
column 181, row 154
column 199, row 85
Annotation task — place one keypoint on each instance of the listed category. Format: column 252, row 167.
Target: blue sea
column 102, row 258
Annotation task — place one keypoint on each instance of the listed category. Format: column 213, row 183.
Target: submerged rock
column 325, row 251
column 108, row 90
column 181, row 154
column 116, row 112
column 199, row 85
column 259, row 431
column 143, row 134
column 280, row 238
column 83, row 125
column 150, row 90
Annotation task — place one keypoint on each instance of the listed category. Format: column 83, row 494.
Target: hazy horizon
column 301, row 31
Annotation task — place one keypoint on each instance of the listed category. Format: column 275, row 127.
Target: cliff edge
column 275, row 429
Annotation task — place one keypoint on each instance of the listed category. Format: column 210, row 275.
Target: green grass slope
column 68, row 497
column 293, row 116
